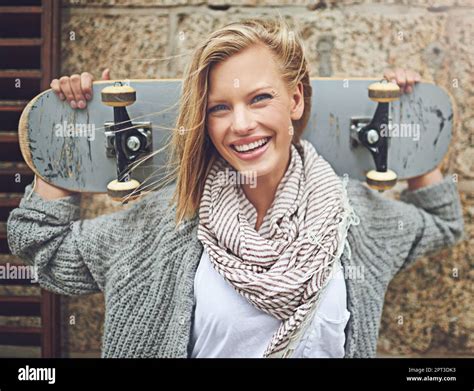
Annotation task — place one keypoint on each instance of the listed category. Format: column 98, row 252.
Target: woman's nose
column 242, row 120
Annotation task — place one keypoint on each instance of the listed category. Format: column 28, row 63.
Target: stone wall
column 428, row 308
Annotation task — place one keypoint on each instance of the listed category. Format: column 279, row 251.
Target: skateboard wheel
column 384, row 92
column 117, row 190
column 118, row 96
column 381, row 181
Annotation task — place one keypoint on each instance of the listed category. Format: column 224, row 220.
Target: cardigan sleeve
column 71, row 255
column 423, row 221
column 438, row 220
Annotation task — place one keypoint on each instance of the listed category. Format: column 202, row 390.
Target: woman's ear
column 297, row 102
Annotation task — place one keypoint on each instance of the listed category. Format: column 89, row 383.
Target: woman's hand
column 405, row 78
column 76, row 89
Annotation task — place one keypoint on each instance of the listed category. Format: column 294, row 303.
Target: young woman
column 294, row 266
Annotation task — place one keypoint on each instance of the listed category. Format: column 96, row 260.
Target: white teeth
column 248, row 147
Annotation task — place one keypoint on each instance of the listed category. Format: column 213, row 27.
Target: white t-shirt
column 227, row 325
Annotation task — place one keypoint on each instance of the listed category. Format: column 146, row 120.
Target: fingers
column 86, row 84
column 390, row 75
column 56, row 89
column 66, row 89
column 76, row 89
column 79, row 98
column 401, row 78
column 412, row 78
column 405, row 79
column 106, row 74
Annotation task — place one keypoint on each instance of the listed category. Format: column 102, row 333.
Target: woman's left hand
column 405, row 78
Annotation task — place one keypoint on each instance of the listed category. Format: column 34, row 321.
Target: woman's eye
column 258, row 98
column 216, row 108
column 261, row 97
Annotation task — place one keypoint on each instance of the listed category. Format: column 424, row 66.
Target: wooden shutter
column 29, row 60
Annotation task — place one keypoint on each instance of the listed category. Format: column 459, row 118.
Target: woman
column 296, row 266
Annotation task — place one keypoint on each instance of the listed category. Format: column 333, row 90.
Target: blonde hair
column 192, row 151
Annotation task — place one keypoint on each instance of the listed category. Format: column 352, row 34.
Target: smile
column 252, row 150
column 252, row 146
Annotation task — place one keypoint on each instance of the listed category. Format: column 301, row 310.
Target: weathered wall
column 428, row 311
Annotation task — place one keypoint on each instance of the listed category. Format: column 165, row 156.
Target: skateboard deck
column 74, row 149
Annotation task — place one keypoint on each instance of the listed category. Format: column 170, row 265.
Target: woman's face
column 248, row 102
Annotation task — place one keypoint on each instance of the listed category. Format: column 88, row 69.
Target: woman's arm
column 47, row 191
column 44, row 230
column 71, row 255
column 436, row 208
column 432, row 215
column 424, row 220
column 41, row 231
column 430, row 178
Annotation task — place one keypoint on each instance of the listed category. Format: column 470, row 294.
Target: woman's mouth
column 252, row 150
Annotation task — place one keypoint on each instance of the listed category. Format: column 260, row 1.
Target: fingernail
column 61, row 96
column 88, row 96
column 81, row 104
column 73, row 104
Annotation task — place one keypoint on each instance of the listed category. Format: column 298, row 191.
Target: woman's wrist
column 424, row 180
column 47, row 191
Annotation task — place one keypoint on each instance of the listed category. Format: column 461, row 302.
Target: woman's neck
column 262, row 195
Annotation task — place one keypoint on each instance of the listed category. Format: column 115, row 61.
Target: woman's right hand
column 76, row 89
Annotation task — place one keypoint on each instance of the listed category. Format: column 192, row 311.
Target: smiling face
column 249, row 112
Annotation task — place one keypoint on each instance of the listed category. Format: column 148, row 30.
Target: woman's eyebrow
column 250, row 93
column 259, row 89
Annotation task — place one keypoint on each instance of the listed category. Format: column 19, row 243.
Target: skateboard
column 365, row 128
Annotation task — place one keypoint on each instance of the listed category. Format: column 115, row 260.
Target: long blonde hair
column 192, row 153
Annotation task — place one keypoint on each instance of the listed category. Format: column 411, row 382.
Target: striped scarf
column 282, row 268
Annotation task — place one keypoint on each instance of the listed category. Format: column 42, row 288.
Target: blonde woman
column 293, row 265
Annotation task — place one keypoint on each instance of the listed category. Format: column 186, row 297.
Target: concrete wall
column 428, row 311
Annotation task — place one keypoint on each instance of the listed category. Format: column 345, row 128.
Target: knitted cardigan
column 145, row 265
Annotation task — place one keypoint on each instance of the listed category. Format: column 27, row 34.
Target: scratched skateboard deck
column 72, row 149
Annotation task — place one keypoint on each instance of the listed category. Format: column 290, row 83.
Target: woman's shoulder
column 157, row 198
column 370, row 201
column 379, row 214
column 358, row 191
column 156, row 203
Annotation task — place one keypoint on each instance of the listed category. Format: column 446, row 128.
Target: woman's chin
column 259, row 167
column 257, row 170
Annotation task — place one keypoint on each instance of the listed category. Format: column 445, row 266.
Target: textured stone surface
column 429, row 307
column 427, row 310
column 433, row 5
column 130, row 45
column 129, row 3
column 83, row 319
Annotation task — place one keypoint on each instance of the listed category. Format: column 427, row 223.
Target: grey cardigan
column 145, row 267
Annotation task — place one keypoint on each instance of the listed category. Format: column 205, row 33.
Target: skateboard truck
column 369, row 134
column 127, row 140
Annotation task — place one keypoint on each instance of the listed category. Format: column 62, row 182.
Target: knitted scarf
column 282, row 268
